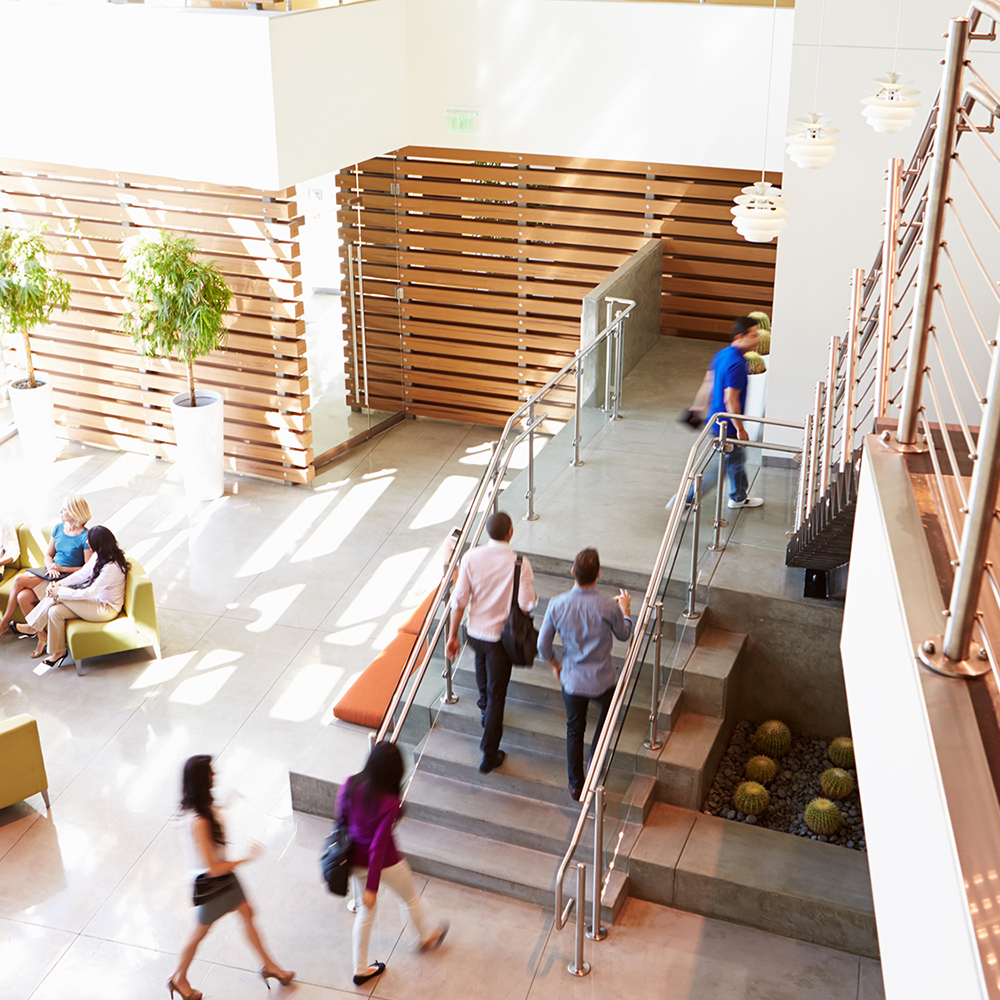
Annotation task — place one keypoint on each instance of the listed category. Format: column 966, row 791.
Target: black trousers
column 492, row 676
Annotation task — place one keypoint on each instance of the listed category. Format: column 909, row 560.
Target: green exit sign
column 463, row 120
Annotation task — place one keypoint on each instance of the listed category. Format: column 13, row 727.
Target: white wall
column 664, row 82
column 272, row 100
column 836, row 220
column 177, row 93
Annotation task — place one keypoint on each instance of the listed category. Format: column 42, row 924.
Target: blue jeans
column 738, row 483
column 576, row 726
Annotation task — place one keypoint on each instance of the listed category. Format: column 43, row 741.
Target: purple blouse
column 370, row 825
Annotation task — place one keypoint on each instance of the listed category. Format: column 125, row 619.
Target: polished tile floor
column 270, row 600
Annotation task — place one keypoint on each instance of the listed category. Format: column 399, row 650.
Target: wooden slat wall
column 475, row 265
column 104, row 393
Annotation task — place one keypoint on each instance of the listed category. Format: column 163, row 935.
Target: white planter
column 198, row 430
column 35, row 419
column 756, row 404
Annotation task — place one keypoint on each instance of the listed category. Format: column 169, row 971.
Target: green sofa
column 134, row 628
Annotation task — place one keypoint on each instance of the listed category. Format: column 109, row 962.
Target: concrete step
column 514, row 819
column 773, row 881
column 709, row 673
column 529, row 725
column 484, row 863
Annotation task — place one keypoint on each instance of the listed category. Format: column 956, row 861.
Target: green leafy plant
column 773, row 738
column 841, row 752
column 755, row 363
column 176, row 304
column 822, row 816
column 761, row 769
column 836, row 783
column 30, row 289
column 751, row 798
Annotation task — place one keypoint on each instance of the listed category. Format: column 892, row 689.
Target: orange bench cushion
column 412, row 624
column 368, row 697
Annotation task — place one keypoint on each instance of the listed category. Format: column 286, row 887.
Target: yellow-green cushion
column 22, row 770
column 34, row 540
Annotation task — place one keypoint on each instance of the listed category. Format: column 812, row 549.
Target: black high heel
column 54, row 661
column 193, row 995
column 284, row 980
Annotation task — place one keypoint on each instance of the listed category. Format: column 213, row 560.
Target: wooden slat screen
column 104, row 393
column 475, row 265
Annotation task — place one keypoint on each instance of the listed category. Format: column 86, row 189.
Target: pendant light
column 812, row 143
column 892, row 107
column 760, row 213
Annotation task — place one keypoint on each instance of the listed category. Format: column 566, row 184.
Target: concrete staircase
column 508, row 831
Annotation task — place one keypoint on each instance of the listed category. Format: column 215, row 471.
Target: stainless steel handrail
column 639, row 626
column 473, row 525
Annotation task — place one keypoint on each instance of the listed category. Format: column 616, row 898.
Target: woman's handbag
column 519, row 636
column 207, row 887
column 335, row 859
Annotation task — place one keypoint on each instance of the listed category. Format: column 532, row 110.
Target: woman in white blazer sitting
column 95, row 593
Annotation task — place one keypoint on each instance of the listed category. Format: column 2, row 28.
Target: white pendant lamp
column 812, row 143
column 760, row 213
column 891, row 109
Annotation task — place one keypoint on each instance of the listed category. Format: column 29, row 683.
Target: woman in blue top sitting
column 66, row 553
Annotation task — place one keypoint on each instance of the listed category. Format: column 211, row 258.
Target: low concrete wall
column 639, row 278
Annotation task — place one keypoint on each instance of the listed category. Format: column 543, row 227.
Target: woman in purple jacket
column 370, row 804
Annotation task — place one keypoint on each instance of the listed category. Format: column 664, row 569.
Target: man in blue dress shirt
column 587, row 623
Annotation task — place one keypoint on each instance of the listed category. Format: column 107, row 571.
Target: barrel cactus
column 761, row 319
column 755, row 363
column 751, row 798
column 823, row 817
column 841, row 752
column 773, row 738
column 761, row 769
column 836, row 783
column 764, row 343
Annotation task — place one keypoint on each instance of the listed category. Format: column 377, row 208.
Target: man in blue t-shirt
column 729, row 393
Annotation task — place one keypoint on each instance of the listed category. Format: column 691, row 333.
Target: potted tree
column 30, row 291
column 177, row 306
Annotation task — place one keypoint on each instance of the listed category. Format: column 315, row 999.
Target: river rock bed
column 794, row 786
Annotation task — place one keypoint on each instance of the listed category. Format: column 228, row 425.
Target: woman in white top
column 95, row 593
column 204, row 840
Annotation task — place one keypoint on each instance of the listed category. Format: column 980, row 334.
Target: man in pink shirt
column 485, row 585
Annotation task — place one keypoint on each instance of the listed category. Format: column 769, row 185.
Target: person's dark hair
column 586, row 566
column 383, row 771
column 742, row 325
column 498, row 526
column 101, row 541
column 196, row 795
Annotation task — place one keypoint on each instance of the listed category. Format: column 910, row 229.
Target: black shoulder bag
column 519, row 635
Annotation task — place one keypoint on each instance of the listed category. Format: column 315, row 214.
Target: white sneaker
column 748, row 502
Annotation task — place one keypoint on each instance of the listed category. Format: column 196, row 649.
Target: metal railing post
column 850, row 370
column 937, row 193
column 978, row 523
column 814, row 446
column 576, row 415
column 619, row 367
column 690, row 612
column 654, row 742
column 831, row 398
column 800, row 506
column 578, row 967
column 596, row 931
column 887, row 292
column 531, row 515
column 608, row 347
column 719, row 523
